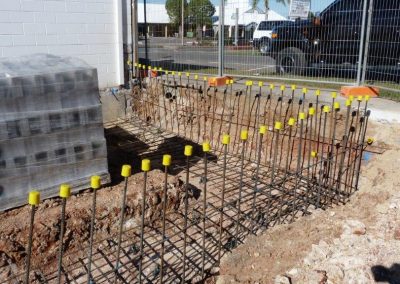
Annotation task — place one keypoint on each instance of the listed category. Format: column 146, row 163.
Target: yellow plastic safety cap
column 160, row 69
column 166, row 160
column 283, row 87
column 149, row 67
column 351, row 98
column 146, row 165
column 318, row 92
column 206, row 147
column 226, row 139
column 370, row 141
column 249, row 83
column 360, row 98
column 173, row 72
column 196, row 77
column 231, row 81
column 126, row 171
column 348, row 103
column 293, row 87
column 367, row 98
column 188, row 150
column 166, row 72
column 260, row 84
column 263, row 129
column 244, row 134
column 302, row 115
column 334, row 95
column 34, row 198
column 187, row 74
column 326, row 109
column 336, row 105
column 278, row 125
column 227, row 82
column 65, row 191
column 205, row 78
column 291, row 121
column 271, row 86
column 314, row 154
column 95, row 182
column 311, row 111
column 179, row 74
column 304, row 90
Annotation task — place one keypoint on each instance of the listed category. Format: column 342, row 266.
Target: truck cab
column 333, row 39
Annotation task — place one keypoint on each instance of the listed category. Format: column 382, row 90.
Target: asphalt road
column 248, row 62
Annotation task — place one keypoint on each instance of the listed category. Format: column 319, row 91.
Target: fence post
column 365, row 61
column 221, row 30
column 362, row 41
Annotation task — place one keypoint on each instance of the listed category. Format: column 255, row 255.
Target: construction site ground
column 355, row 243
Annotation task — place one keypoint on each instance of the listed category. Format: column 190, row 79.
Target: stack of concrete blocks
column 51, row 129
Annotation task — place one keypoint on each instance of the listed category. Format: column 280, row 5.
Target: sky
column 316, row 5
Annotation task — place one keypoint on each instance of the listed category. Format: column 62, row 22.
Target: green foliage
column 174, row 10
column 200, row 12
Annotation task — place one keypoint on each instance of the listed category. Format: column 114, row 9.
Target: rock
column 397, row 233
column 280, row 279
column 293, row 272
column 332, row 214
column 354, row 227
column 256, row 254
column 131, row 223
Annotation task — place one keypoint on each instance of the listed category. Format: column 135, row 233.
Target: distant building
column 248, row 18
column 158, row 22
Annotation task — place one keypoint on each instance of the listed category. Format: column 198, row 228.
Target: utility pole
column 134, row 36
column 183, row 19
column 221, row 27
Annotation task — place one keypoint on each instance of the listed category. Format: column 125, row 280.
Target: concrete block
column 34, row 6
column 21, row 17
column 23, row 40
column 11, row 29
column 36, row 28
column 95, row 7
column 7, row 5
column 54, row 6
column 44, row 17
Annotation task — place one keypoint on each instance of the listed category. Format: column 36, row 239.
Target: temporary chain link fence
column 348, row 43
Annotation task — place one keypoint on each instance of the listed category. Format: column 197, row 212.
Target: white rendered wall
column 88, row 29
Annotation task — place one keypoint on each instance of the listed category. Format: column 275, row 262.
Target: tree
column 200, row 13
column 266, row 5
column 174, row 10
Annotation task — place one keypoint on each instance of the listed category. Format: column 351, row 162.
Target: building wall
column 87, row 29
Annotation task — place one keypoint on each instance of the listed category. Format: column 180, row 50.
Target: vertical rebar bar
column 125, row 172
column 225, row 141
column 145, row 169
column 206, row 149
column 95, row 183
column 302, row 116
column 166, row 163
column 187, row 152
column 65, row 192
column 262, row 131
column 243, row 136
column 33, row 200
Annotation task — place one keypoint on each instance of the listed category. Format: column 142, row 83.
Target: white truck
column 263, row 33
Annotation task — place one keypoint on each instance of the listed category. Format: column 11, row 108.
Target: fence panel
column 383, row 45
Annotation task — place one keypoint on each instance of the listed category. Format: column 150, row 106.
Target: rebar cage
column 255, row 156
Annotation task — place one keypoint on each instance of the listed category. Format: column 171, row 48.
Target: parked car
column 333, row 39
column 262, row 34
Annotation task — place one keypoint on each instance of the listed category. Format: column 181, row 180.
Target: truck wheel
column 291, row 60
column 264, row 45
